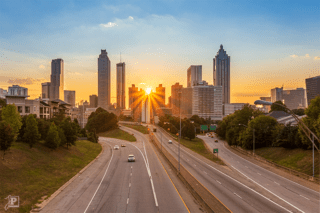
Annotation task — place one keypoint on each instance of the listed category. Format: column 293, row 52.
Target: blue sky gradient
column 270, row 42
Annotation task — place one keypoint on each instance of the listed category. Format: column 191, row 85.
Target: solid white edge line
column 269, row 171
column 100, row 182
column 154, row 193
column 269, row 191
column 239, row 183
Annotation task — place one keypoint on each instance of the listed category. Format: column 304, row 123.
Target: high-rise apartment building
column 121, row 85
column 221, row 73
column 175, row 98
column 45, row 90
column 293, row 99
column 276, row 94
column 70, row 97
column 93, row 101
column 313, row 88
column 160, row 96
column 104, row 80
column 207, row 101
column 57, row 79
column 135, row 101
column 194, row 75
column 186, row 102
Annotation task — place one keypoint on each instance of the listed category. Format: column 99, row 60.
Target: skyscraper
column 313, row 88
column 175, row 98
column 57, row 79
column 121, row 85
column 93, row 101
column 46, row 90
column 135, row 101
column 221, row 73
column 70, row 97
column 160, row 96
column 194, row 75
column 104, row 80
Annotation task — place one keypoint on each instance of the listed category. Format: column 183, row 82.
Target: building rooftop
column 278, row 114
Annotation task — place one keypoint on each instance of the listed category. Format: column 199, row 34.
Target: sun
column 148, row 90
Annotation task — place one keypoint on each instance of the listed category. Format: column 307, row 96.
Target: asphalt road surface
column 112, row 184
column 301, row 198
column 238, row 196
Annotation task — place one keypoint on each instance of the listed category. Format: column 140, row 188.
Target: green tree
column 76, row 126
column 188, row 130
column 53, row 139
column 63, row 139
column 311, row 121
column 43, row 127
column 83, row 132
column 6, row 137
column 3, row 103
column 275, row 107
column 31, row 134
column 11, row 116
column 299, row 112
column 265, row 132
column 69, row 132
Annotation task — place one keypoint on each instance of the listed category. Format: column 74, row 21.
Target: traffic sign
column 215, row 150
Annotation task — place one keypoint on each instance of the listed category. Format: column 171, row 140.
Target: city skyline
column 268, row 50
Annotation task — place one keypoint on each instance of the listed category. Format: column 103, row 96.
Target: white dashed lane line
column 238, row 195
column 276, row 183
column 218, row 181
column 127, row 200
column 304, row 197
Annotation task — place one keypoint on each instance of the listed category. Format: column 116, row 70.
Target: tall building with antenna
column 57, row 79
column 121, row 85
column 221, row 73
column 104, row 80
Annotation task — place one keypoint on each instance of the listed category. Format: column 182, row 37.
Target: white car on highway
column 170, row 141
column 116, row 147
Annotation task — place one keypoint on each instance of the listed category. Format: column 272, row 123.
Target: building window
column 20, row 109
column 41, row 110
column 34, row 108
column 27, row 109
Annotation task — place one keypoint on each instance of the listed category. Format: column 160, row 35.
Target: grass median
column 119, row 134
column 139, row 128
column 197, row 145
column 33, row 173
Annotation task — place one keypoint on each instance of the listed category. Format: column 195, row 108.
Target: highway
column 112, row 184
column 302, row 198
column 232, row 188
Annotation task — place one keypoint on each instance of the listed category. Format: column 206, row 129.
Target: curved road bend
column 244, row 196
column 305, row 199
column 112, row 184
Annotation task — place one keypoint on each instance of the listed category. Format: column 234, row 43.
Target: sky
column 271, row 43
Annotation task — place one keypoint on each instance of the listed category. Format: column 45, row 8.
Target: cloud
column 42, row 66
column 110, row 24
column 307, row 56
column 317, row 58
column 130, row 17
column 24, row 81
column 294, row 56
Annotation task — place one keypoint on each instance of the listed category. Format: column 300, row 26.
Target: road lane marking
column 194, row 164
column 276, row 183
column 100, row 182
column 304, row 197
column 259, row 167
column 246, row 166
column 269, row 191
column 130, row 174
column 238, row 182
column 218, row 182
column 237, row 195
column 205, row 172
column 238, row 161
column 259, row 173
column 127, row 201
column 149, row 172
column 129, row 184
column 171, row 181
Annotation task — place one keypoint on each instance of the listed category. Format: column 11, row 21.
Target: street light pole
column 180, row 127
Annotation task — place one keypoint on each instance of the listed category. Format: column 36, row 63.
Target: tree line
column 240, row 128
